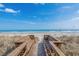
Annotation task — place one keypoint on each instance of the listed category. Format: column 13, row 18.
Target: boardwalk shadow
column 41, row 51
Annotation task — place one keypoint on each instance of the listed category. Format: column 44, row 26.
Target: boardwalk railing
column 24, row 48
column 56, row 49
column 18, row 50
column 52, row 46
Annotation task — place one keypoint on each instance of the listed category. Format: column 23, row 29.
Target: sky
column 39, row 16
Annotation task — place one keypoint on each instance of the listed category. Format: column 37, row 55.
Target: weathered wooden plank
column 22, row 39
column 58, row 42
column 58, row 51
column 31, row 42
column 20, row 48
column 29, row 45
column 50, row 38
column 48, row 48
column 17, row 50
column 44, row 44
column 32, row 48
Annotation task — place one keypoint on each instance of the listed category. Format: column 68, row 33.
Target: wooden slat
column 59, row 52
column 29, row 47
column 20, row 48
column 20, row 41
column 54, row 38
column 17, row 50
column 31, row 42
column 48, row 48
column 45, row 48
column 48, row 37
column 57, row 42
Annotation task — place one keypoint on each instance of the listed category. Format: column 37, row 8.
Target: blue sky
column 39, row 16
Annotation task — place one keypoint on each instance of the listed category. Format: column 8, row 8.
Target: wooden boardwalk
column 48, row 47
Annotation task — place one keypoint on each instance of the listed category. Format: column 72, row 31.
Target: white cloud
column 39, row 3
column 29, row 22
column 1, row 5
column 78, row 11
column 75, row 18
column 72, row 23
column 32, row 23
column 8, row 10
column 43, row 3
column 66, row 7
column 34, row 16
column 1, row 9
column 17, row 24
column 36, row 3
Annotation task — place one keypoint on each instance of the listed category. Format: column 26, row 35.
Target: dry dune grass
column 8, row 42
column 71, row 46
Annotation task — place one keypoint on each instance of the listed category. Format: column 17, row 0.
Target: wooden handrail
column 46, row 48
column 30, row 46
column 58, row 51
column 27, row 47
column 58, row 42
column 17, row 50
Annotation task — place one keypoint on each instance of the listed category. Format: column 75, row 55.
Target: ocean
column 43, row 30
